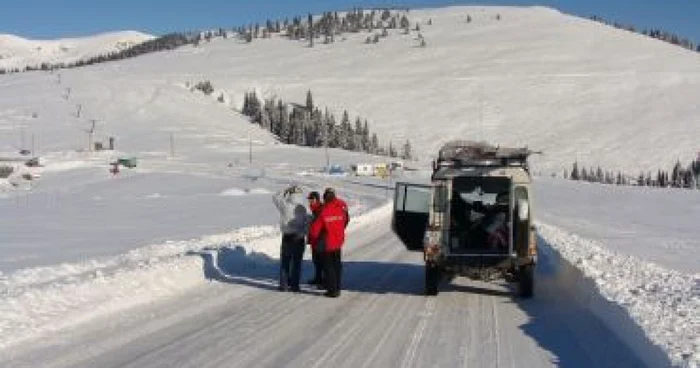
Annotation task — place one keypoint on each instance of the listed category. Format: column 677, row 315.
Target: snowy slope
column 18, row 52
column 83, row 249
column 575, row 89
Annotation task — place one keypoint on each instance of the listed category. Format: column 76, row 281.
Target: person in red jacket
column 315, row 206
column 328, row 230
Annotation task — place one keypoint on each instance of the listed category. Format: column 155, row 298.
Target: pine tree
column 404, row 23
column 265, row 121
column 333, row 133
column 309, row 101
column 575, row 175
column 374, row 144
column 407, row 151
column 254, row 105
column 283, row 128
column 358, row 136
column 640, row 179
column 343, row 138
column 676, row 175
column 318, row 129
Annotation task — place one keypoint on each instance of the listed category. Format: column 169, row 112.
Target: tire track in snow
column 143, row 347
column 232, row 322
column 261, row 329
column 356, row 328
column 428, row 310
column 398, row 316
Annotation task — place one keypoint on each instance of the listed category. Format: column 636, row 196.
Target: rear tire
column 526, row 281
column 432, row 279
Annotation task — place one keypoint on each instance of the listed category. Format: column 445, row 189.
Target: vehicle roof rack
column 461, row 154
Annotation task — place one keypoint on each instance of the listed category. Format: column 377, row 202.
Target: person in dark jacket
column 315, row 206
column 329, row 231
column 294, row 221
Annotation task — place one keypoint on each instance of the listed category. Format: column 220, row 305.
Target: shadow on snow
column 560, row 316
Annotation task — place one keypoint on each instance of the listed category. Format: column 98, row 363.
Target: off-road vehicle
column 475, row 219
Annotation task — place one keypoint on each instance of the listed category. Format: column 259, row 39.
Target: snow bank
column 235, row 192
column 370, row 217
column 39, row 300
column 664, row 303
column 43, row 299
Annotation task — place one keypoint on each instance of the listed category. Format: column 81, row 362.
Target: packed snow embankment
column 664, row 303
column 40, row 300
column 44, row 299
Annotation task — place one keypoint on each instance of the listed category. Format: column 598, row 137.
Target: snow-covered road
column 382, row 319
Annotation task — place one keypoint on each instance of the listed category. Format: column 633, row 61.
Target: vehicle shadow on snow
column 509, row 291
column 235, row 266
column 569, row 318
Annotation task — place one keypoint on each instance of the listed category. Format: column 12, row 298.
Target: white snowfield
column 18, row 52
column 174, row 262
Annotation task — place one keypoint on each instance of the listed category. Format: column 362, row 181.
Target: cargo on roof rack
column 462, row 153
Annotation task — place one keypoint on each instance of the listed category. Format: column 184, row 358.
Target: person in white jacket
column 294, row 222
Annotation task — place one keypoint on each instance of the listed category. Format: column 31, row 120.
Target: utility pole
column 90, row 133
column 481, row 114
column 388, row 180
column 388, row 166
column 250, row 148
column 21, row 132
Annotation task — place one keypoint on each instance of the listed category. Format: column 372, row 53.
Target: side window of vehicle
column 417, row 199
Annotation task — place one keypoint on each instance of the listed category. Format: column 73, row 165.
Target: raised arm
column 278, row 199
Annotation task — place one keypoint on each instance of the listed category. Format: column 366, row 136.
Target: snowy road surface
column 381, row 320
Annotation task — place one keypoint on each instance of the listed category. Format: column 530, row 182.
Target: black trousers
column 291, row 254
column 333, row 271
column 316, row 257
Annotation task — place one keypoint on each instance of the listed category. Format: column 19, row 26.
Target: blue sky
column 66, row 18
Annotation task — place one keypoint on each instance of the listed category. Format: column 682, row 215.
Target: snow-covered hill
column 81, row 246
column 18, row 52
column 573, row 88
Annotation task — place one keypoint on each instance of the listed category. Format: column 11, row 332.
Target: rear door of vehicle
column 485, row 189
column 411, row 213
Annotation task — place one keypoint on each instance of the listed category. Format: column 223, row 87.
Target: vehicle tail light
column 532, row 248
